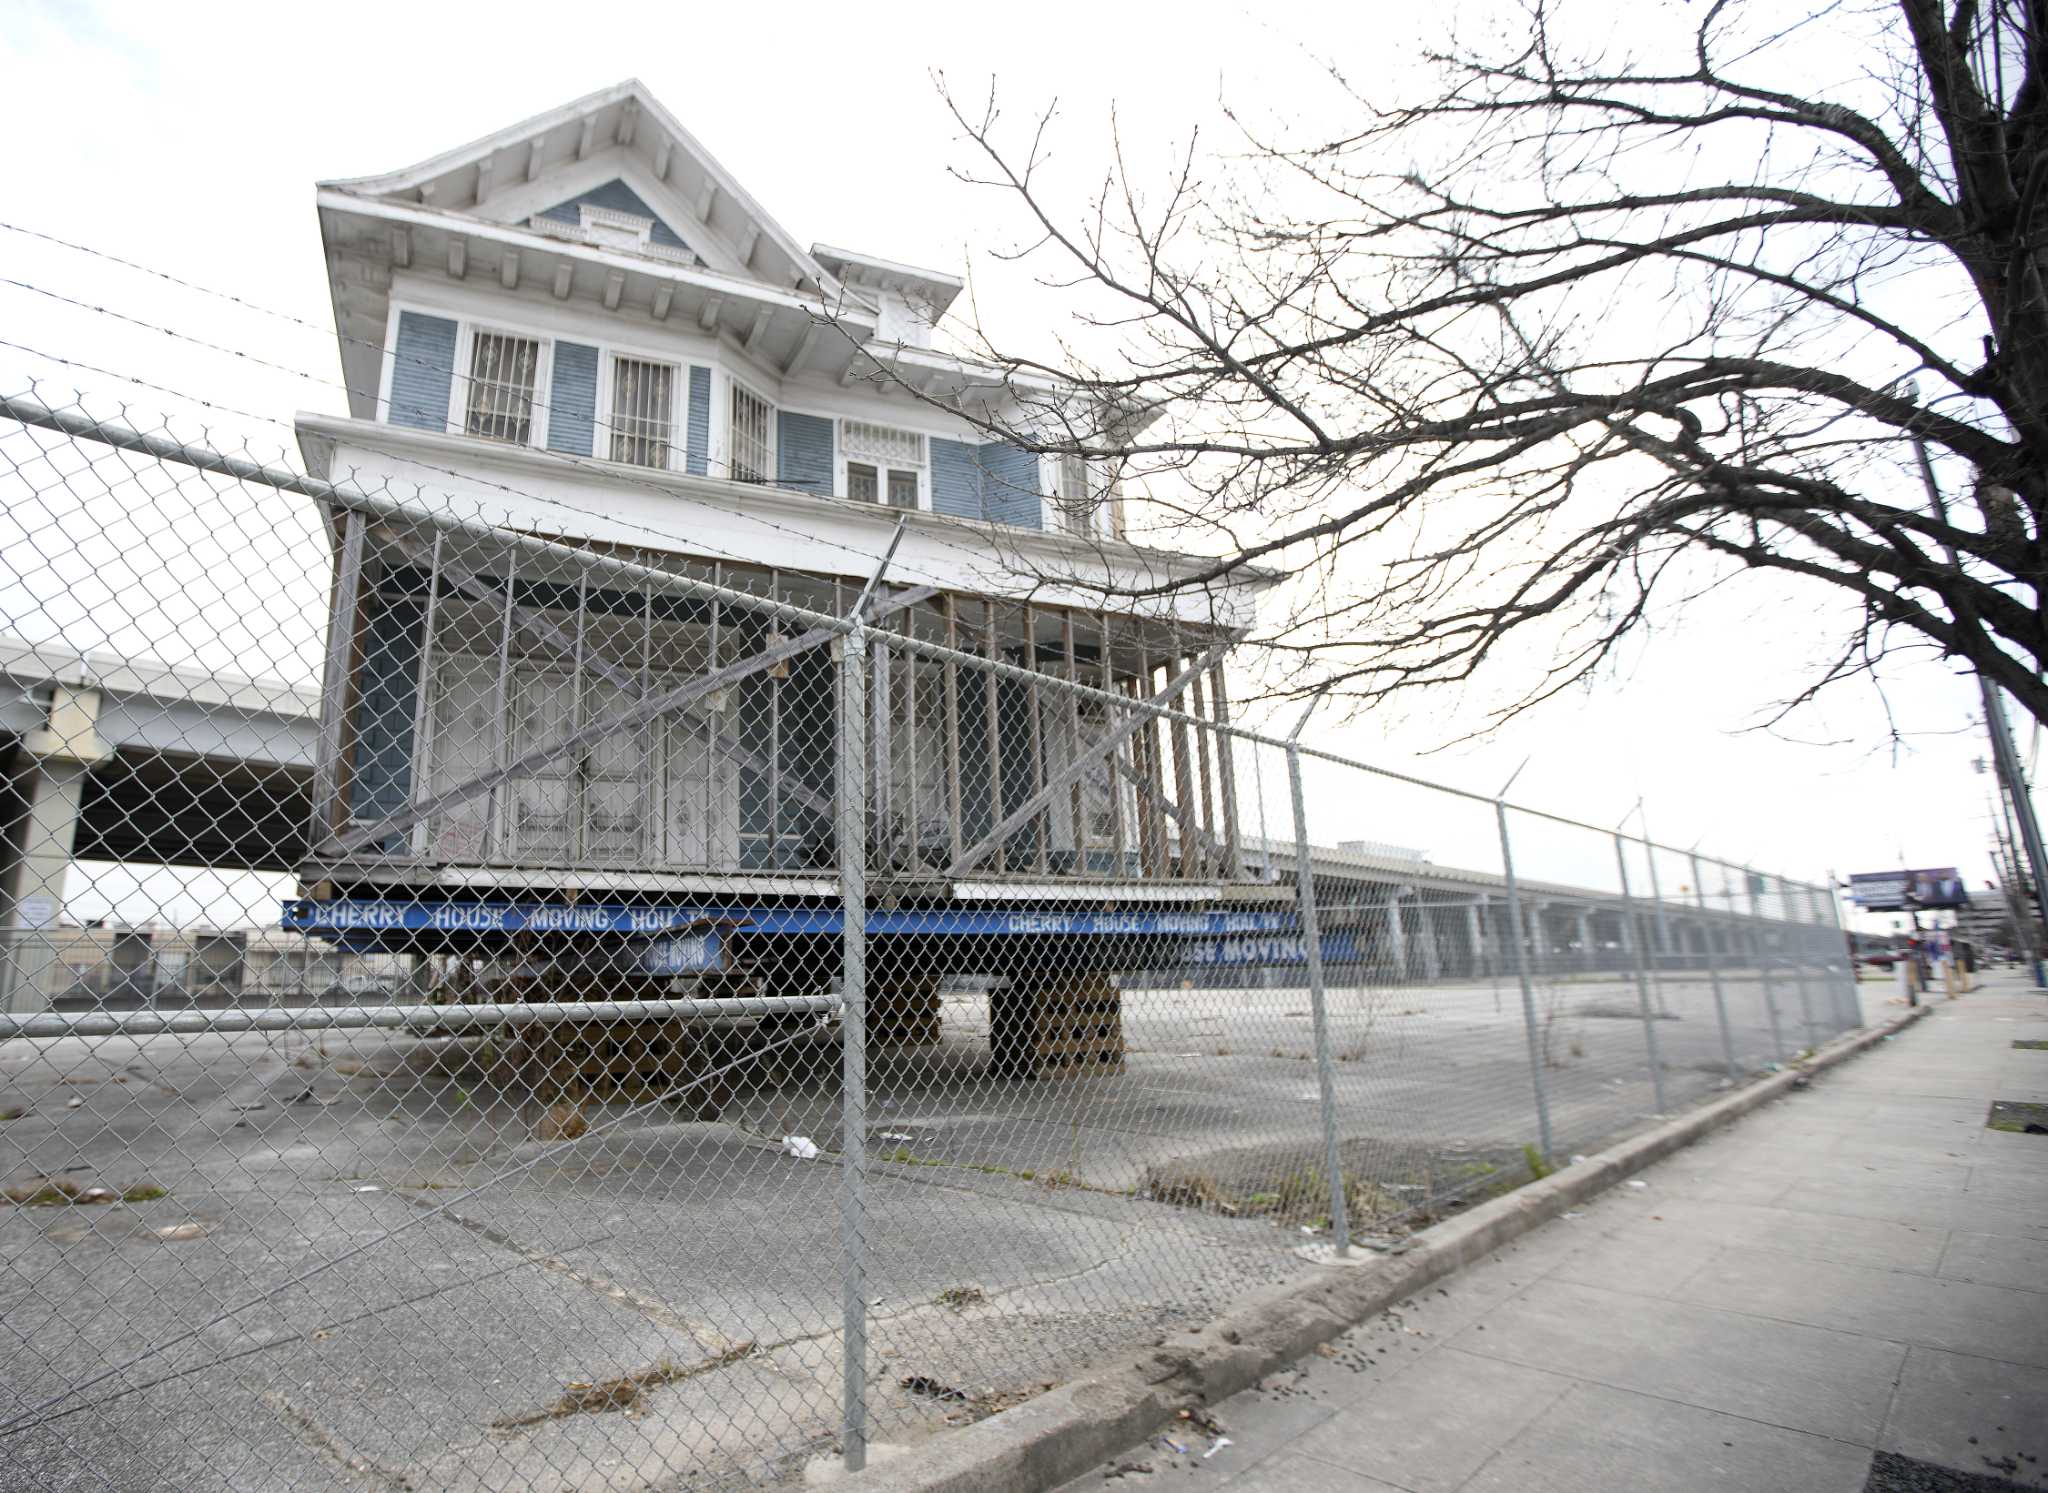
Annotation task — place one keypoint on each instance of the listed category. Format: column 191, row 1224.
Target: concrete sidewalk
column 1854, row 1276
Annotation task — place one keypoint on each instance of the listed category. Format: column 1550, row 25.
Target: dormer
column 908, row 302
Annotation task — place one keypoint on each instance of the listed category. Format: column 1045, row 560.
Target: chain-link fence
column 438, row 1052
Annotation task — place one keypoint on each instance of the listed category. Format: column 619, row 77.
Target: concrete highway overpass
column 122, row 759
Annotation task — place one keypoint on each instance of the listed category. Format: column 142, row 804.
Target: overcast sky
column 189, row 137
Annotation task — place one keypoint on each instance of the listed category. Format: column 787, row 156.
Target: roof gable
column 619, row 139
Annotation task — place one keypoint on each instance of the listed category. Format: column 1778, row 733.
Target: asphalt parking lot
column 351, row 1261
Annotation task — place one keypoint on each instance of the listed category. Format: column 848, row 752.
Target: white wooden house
column 582, row 327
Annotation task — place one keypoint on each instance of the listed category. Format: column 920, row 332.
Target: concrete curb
column 1066, row 1431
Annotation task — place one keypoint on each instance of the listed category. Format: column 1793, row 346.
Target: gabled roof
column 504, row 176
column 545, row 204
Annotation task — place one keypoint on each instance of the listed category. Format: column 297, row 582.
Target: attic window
column 616, row 230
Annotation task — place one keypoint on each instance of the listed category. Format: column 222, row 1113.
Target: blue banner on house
column 1340, row 946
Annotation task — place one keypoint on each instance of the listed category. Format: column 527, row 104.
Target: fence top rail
column 77, row 424
column 417, row 1017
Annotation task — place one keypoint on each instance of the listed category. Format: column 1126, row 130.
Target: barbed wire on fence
column 611, row 471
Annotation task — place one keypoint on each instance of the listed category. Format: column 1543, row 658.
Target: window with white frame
column 883, row 464
column 1080, row 499
column 753, row 420
column 504, row 374
column 643, row 412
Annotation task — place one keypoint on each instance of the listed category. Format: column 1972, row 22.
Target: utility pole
column 2021, row 803
column 2006, row 861
column 2002, row 752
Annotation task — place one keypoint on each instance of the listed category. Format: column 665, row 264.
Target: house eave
column 869, row 270
column 319, row 435
column 709, row 281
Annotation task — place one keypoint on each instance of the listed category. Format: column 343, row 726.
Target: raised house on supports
column 588, row 374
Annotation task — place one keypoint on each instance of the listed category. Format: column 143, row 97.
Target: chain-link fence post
column 851, row 803
column 1641, row 937
column 1664, row 954
column 1312, row 946
column 1798, row 947
column 1517, row 935
column 1708, row 937
column 1763, row 962
column 1851, row 1000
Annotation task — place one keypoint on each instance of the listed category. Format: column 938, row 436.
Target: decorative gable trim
column 614, row 202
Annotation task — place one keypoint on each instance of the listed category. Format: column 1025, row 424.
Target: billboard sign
column 1902, row 891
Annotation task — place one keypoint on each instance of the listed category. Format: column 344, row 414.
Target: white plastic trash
column 802, row 1147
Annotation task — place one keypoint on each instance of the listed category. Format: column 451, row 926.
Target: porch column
column 46, row 784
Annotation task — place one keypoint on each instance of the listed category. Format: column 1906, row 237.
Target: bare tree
column 1499, row 375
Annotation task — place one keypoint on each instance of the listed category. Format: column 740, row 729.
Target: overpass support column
column 1476, row 939
column 1432, row 961
column 1586, row 939
column 1397, row 938
column 46, row 784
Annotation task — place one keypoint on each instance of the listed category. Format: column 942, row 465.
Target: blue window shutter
column 422, row 369
column 697, row 460
column 620, row 198
column 956, row 478
column 572, row 399
column 1010, row 486
column 803, row 453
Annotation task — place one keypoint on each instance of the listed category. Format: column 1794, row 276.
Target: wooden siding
column 992, row 481
column 572, row 400
column 803, row 453
column 422, row 370
column 1010, row 486
column 956, row 478
column 697, row 424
